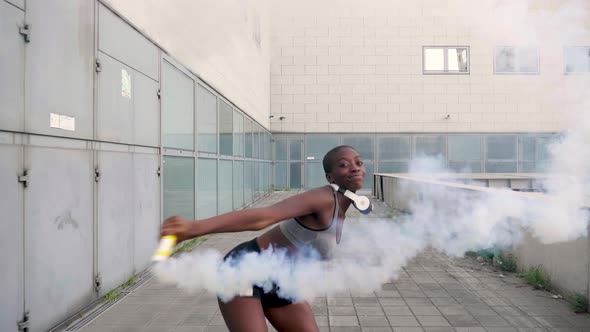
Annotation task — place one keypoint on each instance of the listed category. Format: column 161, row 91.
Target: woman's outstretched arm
column 255, row 219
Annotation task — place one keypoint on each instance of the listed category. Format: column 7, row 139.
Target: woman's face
column 348, row 170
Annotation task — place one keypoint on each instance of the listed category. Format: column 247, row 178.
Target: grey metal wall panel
column 128, row 105
column 146, row 106
column 121, row 41
column 146, row 208
column 114, row 116
column 115, row 218
column 58, row 234
column 59, row 67
column 19, row 3
column 11, row 238
column 12, row 68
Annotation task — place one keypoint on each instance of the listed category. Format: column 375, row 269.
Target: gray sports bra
column 323, row 240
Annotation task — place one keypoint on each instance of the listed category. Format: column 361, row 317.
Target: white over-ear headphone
column 361, row 203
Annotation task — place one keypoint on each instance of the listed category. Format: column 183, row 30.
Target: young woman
column 313, row 218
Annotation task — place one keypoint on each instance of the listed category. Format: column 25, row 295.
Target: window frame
column 445, row 70
column 517, row 63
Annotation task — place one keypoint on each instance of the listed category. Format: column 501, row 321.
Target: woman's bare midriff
column 276, row 238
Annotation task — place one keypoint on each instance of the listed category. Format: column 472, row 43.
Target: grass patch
column 189, row 245
column 537, row 277
column 506, row 262
column 116, row 293
column 579, row 303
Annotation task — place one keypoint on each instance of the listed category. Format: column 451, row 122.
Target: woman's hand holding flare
column 178, row 226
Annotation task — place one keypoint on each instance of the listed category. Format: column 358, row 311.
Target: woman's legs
column 243, row 314
column 296, row 317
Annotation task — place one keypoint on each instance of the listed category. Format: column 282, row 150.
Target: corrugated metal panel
column 11, row 237
column 147, row 208
column 59, row 68
column 58, row 234
column 12, row 68
column 121, row 41
column 115, row 218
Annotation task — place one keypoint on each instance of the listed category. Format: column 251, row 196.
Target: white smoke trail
column 449, row 219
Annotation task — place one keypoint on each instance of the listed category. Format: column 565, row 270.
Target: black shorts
column 270, row 299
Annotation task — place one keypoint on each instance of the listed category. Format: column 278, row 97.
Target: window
column 177, row 109
column 516, row 60
column 446, row 60
column 206, row 120
column 225, row 128
column 577, row 59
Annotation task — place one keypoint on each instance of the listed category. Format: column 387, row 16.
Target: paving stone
column 405, row 321
column 462, row 321
column 376, row 329
column 369, row 311
column 522, row 321
column 341, row 311
column 373, row 321
column 322, row 320
column 392, row 302
column 340, row 301
column 443, row 301
column 438, row 329
column 397, row 310
column 553, row 321
column 470, row 329
column 197, row 319
column 417, row 301
column 453, row 310
column 492, row 321
column 343, row 321
column 432, row 321
column 424, row 310
column 366, row 301
column 345, row 329
column 407, row 329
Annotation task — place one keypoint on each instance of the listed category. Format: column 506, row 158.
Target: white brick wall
column 351, row 66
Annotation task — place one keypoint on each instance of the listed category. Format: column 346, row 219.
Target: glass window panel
column 528, row 148
column 528, row 60
column 267, row 155
column 500, row 167
column 318, row 145
column 255, row 142
column 501, row 147
column 267, row 176
column 280, row 149
column 542, row 148
column 466, row 167
column 281, row 176
column 206, row 120
column 516, row 60
column 248, row 131
column 295, row 175
column 238, row 134
column 368, row 184
column 226, row 128
column 434, row 59
column 393, row 167
column 295, row 149
column 248, row 181
column 207, row 188
column 457, row 59
column 179, row 187
column 394, row 148
column 315, row 175
column 364, row 145
column 238, row 184
column 430, row 146
column 464, row 147
column 177, row 109
column 577, row 59
column 505, row 59
column 225, row 191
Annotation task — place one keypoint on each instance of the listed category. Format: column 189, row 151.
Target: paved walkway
column 434, row 294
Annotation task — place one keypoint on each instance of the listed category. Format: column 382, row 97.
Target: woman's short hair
column 328, row 160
